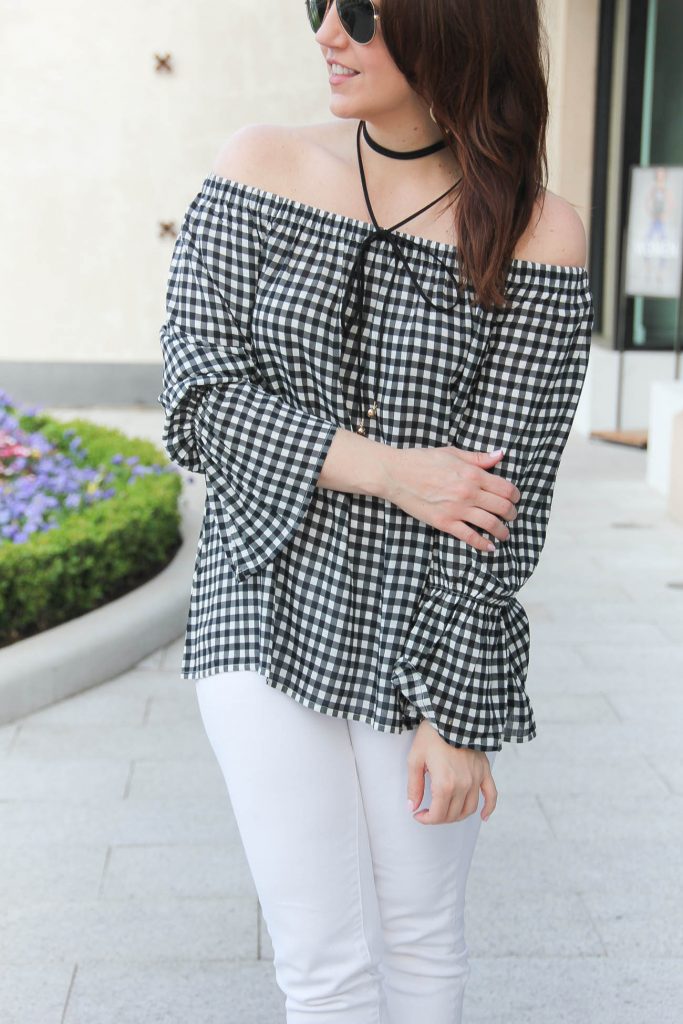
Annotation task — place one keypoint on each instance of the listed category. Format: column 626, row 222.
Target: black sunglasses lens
column 358, row 18
column 316, row 12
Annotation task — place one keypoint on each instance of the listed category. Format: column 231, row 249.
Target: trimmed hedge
column 98, row 552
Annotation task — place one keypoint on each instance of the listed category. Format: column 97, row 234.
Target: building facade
column 638, row 121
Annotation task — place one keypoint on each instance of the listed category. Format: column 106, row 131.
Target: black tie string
column 357, row 274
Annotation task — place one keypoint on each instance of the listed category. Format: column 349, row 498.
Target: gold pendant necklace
column 371, row 413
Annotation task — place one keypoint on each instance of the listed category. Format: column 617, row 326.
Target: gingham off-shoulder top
column 344, row 601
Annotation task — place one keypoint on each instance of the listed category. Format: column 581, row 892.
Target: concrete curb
column 101, row 644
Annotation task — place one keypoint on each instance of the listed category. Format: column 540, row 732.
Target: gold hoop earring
column 445, row 131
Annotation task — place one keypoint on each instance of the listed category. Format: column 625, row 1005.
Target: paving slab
column 24, row 778
column 185, row 992
column 565, row 990
column 188, row 871
column 36, row 875
column 154, row 780
column 130, row 930
column 160, row 741
column 28, row 996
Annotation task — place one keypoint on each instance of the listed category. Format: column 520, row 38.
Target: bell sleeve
column 261, row 456
column 525, row 402
column 465, row 661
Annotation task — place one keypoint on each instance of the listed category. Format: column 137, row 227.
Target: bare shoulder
column 277, row 158
column 263, row 155
column 556, row 234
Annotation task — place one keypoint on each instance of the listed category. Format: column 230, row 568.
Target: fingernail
column 410, row 806
column 498, row 451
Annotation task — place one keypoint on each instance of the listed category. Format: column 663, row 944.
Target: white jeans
column 363, row 904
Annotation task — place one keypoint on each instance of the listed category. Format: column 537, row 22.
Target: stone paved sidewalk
column 125, row 894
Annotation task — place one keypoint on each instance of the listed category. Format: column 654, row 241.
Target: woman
column 353, row 628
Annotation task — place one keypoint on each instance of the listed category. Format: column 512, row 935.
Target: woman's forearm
column 356, row 465
column 446, row 487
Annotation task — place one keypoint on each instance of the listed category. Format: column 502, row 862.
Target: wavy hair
column 483, row 67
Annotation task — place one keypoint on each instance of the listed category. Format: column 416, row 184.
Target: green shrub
column 98, row 552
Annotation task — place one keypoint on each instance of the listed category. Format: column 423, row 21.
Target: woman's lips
column 337, row 79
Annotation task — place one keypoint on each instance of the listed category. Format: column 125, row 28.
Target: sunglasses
column 358, row 17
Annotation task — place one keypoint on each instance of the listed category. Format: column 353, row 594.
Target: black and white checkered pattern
column 343, row 601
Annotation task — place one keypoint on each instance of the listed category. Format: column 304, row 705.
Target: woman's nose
column 330, row 24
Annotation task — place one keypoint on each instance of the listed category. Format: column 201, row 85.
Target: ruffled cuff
column 464, row 663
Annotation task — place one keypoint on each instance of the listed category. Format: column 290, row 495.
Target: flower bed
column 86, row 514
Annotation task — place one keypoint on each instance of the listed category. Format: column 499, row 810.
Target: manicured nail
column 410, row 806
column 498, row 451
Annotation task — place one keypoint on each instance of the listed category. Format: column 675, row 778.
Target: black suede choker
column 410, row 154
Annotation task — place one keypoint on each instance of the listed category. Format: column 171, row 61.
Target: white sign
column 655, row 232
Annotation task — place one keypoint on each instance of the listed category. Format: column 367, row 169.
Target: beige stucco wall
column 573, row 36
column 100, row 148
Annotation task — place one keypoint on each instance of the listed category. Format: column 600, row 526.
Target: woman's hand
column 449, row 488
column 456, row 775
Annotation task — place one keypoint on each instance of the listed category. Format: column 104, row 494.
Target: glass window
column 653, row 321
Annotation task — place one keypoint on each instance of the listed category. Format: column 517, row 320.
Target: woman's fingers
column 488, row 788
column 470, row 536
column 457, row 801
column 479, row 517
column 481, row 464
column 437, row 811
column 495, row 503
column 447, row 807
column 495, row 494
column 486, row 508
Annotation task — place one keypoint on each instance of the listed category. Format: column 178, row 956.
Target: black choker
column 409, row 154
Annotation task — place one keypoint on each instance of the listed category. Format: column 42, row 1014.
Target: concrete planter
column 101, row 644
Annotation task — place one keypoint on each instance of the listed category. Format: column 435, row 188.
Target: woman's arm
column 444, row 487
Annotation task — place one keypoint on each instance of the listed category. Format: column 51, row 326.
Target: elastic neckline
column 576, row 274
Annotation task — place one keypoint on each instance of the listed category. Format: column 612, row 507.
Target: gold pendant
column 372, row 411
column 360, row 429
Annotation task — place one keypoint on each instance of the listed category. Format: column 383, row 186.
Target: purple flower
column 38, row 481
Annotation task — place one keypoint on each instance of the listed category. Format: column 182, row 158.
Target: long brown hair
column 482, row 65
